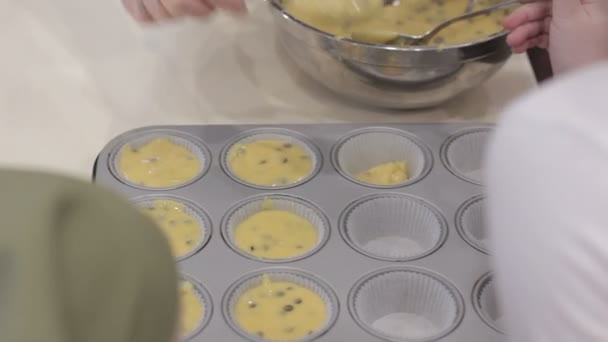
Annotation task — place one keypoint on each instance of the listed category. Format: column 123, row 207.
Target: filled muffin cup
column 290, row 204
column 204, row 300
column 463, row 154
column 393, row 227
column 486, row 303
column 471, row 224
column 196, row 214
column 406, row 304
column 288, row 139
column 138, row 140
column 362, row 150
column 299, row 278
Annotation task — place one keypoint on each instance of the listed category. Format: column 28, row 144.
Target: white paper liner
column 190, row 209
column 406, row 304
column 272, row 134
column 465, row 153
column 471, row 223
column 288, row 275
column 140, row 139
column 487, row 304
column 368, row 148
column 205, row 299
column 290, row 204
column 393, row 227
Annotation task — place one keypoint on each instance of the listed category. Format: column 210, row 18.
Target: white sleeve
column 547, row 171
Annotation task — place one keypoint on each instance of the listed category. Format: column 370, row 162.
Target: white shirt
column 548, row 211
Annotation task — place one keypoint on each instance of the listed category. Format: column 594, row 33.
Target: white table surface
column 74, row 74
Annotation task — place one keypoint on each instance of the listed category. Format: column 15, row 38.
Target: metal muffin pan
column 447, row 269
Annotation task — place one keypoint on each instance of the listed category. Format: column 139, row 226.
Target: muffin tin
column 394, row 263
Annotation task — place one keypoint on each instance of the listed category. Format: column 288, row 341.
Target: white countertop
column 74, row 74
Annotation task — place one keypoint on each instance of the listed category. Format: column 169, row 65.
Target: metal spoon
column 408, row 39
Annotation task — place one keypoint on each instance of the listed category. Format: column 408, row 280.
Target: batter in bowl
column 275, row 234
column 270, row 162
column 411, row 17
column 280, row 311
column 159, row 163
column 390, row 173
column 192, row 309
column 183, row 231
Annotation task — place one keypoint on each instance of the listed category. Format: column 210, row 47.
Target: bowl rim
column 276, row 4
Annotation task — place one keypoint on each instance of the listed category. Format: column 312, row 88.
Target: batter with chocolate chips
column 410, row 17
column 159, row 163
column 275, row 234
column 280, row 311
column 270, row 162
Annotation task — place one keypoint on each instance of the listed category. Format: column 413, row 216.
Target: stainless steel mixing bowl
column 389, row 76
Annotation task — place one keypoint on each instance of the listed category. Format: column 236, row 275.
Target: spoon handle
column 470, row 15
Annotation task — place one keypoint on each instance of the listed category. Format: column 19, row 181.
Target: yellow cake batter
column 280, row 311
column 270, row 162
column 390, row 173
column 411, row 17
column 275, row 234
column 192, row 309
column 159, row 163
column 181, row 229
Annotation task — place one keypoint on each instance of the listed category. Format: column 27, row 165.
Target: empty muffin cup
column 186, row 226
column 471, row 225
column 280, row 304
column 463, row 154
column 393, row 227
column 196, row 306
column 271, row 159
column 486, row 303
column 275, row 228
column 381, row 158
column 159, row 160
column 406, row 304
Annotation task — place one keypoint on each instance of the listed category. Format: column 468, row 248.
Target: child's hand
column 158, row 10
column 574, row 31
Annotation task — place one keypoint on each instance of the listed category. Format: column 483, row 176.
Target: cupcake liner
column 140, row 139
column 406, row 304
column 291, row 204
column 470, row 222
column 273, row 134
column 463, row 154
column 393, row 227
column 205, row 299
column 190, row 209
column 364, row 149
column 297, row 277
column 486, row 303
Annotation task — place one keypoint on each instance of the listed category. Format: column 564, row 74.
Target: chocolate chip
column 438, row 40
column 189, row 242
column 285, row 160
column 279, row 149
column 288, row 308
column 262, row 162
column 280, row 293
column 251, row 304
column 299, row 246
column 310, row 332
column 298, row 301
column 289, row 288
column 134, row 150
column 287, row 145
column 260, row 333
column 252, row 248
